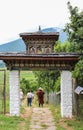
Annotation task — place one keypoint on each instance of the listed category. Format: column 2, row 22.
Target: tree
column 24, row 85
column 57, row 84
column 46, row 80
column 78, row 72
column 65, row 47
column 74, row 29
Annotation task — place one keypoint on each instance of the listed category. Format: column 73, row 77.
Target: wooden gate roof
column 40, row 35
column 25, row 61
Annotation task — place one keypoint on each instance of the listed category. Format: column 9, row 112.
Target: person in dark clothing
column 40, row 95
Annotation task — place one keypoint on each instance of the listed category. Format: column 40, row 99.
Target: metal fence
column 54, row 98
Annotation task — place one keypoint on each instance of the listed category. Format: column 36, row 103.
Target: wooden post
column 4, row 91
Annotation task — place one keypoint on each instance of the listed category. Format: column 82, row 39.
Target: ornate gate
column 40, row 55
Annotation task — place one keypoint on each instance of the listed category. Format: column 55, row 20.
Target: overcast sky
column 17, row 16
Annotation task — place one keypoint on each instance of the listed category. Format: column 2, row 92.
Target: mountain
column 62, row 34
column 13, row 46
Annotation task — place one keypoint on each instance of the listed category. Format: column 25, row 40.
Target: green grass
column 76, row 123
column 9, row 123
column 57, row 116
column 27, row 75
column 13, row 122
column 27, row 123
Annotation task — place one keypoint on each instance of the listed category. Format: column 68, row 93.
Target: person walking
column 21, row 96
column 40, row 94
column 29, row 98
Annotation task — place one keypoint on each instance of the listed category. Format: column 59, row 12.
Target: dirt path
column 42, row 119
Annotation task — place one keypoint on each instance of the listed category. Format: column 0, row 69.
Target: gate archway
column 40, row 55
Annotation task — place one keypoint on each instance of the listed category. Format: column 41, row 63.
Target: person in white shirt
column 29, row 98
column 21, row 96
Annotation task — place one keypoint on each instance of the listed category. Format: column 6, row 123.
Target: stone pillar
column 66, row 94
column 14, row 93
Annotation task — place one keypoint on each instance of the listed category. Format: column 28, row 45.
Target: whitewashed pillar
column 14, row 93
column 66, row 94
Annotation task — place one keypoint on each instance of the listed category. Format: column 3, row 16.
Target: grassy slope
column 27, row 74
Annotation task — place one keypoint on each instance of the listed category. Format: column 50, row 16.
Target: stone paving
column 42, row 119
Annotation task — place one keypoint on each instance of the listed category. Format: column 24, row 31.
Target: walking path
column 41, row 119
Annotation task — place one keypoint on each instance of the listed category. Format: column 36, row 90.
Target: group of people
column 30, row 96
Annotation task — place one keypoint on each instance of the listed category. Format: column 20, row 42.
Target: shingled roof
column 40, row 34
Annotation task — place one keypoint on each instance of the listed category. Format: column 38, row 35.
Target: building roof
column 53, row 56
column 39, row 34
column 52, row 61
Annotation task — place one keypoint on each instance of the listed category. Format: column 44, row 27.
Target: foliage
column 33, row 85
column 74, row 29
column 24, row 85
column 57, row 84
column 47, row 79
column 78, row 72
column 58, row 47
column 72, row 47
column 66, row 47
column 28, row 85
column 28, row 81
